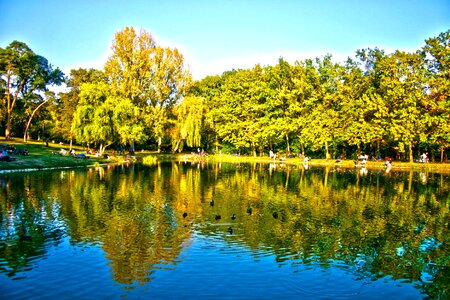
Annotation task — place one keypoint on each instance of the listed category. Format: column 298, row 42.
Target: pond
column 227, row 231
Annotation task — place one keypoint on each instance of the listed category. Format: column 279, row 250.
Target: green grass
column 43, row 157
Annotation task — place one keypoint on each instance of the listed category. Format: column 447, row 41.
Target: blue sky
column 215, row 36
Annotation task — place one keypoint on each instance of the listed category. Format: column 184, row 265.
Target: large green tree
column 67, row 102
column 153, row 78
column 239, row 108
column 25, row 76
column 436, row 54
column 401, row 88
column 324, row 105
column 103, row 117
column 283, row 107
column 93, row 118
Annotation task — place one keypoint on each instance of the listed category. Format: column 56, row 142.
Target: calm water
column 224, row 231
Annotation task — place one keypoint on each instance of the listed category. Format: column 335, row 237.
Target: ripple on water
column 63, row 268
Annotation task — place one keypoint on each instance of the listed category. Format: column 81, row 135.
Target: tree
column 67, row 102
column 324, row 105
column 104, row 118
column 189, row 124
column 436, row 54
column 25, row 74
column 93, row 118
column 362, row 108
column 401, row 87
column 206, row 90
column 48, row 97
column 153, row 78
column 239, row 108
column 283, row 108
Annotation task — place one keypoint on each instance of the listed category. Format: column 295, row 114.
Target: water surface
column 243, row 231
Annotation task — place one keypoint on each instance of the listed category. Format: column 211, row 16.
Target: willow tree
column 189, row 124
column 153, row 78
column 93, row 122
column 66, row 103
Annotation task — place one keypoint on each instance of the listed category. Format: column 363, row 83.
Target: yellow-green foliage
column 150, row 160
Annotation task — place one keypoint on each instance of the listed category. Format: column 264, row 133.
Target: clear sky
column 215, row 36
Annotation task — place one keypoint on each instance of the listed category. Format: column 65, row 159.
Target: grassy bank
column 42, row 156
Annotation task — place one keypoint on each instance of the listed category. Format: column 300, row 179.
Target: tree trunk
column 442, row 154
column 288, row 149
column 8, row 125
column 411, row 156
column 102, row 149
column 8, row 107
column 327, row 151
column 177, row 145
column 11, row 103
column 29, row 121
column 159, row 144
column 378, row 149
column 132, row 148
column 217, row 143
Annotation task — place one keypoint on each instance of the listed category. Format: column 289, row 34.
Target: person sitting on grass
column 4, row 156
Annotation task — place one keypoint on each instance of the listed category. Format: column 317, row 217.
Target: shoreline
column 348, row 164
column 7, row 171
column 45, row 157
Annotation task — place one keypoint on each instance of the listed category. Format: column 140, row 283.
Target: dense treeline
column 382, row 104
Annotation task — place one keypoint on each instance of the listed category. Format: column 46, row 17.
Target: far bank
column 38, row 155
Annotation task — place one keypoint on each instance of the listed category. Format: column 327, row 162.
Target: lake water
column 229, row 231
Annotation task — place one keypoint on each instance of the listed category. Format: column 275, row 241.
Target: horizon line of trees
column 376, row 103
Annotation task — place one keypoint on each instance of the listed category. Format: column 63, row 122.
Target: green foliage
column 153, row 78
column 393, row 104
column 24, row 76
column 190, row 117
column 66, row 104
column 375, row 101
column 150, row 160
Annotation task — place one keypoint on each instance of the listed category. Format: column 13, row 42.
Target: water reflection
column 370, row 224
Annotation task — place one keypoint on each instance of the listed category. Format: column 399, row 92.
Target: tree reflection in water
column 379, row 224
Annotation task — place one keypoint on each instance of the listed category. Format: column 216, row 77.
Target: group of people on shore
column 424, row 158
